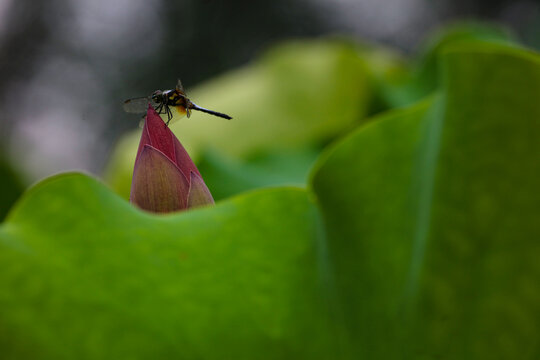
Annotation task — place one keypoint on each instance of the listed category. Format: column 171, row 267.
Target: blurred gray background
column 67, row 65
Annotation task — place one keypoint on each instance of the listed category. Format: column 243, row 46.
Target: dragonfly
column 163, row 100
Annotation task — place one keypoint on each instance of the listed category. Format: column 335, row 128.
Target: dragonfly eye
column 157, row 96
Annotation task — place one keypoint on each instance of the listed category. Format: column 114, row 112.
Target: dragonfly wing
column 138, row 105
column 179, row 87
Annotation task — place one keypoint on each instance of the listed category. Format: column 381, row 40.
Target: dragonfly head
column 157, row 96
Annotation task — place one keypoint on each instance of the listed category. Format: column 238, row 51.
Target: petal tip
column 199, row 194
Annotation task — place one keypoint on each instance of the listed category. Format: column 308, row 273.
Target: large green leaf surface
column 432, row 216
column 85, row 275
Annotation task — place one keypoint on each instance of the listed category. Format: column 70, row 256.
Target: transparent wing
column 179, row 87
column 138, row 105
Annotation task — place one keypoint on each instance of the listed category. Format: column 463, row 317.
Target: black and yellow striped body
column 175, row 98
column 163, row 101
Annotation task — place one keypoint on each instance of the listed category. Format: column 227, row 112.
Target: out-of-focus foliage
column 400, row 88
column 227, row 175
column 11, row 187
column 292, row 102
column 299, row 95
column 415, row 238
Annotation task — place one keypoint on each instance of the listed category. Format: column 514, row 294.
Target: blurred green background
column 67, row 65
column 376, row 189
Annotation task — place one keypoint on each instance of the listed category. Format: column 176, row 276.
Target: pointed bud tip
column 199, row 194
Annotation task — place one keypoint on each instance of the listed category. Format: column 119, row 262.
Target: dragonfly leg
column 169, row 114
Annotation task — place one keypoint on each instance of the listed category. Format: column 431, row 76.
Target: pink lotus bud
column 164, row 178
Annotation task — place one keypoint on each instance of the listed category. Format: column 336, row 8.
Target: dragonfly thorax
column 171, row 98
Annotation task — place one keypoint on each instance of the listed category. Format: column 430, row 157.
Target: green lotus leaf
column 87, row 275
column 432, row 216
